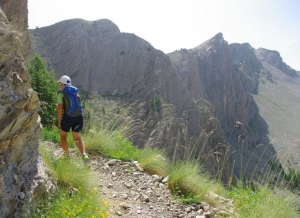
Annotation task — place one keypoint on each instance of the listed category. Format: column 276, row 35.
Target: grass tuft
column 111, row 145
column 154, row 161
column 189, row 182
column 262, row 202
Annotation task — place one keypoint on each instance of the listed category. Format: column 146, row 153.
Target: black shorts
column 74, row 123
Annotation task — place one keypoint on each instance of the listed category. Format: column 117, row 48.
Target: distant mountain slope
column 277, row 95
column 278, row 100
column 274, row 59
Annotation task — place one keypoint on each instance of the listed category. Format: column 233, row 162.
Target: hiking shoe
column 85, row 158
column 65, row 157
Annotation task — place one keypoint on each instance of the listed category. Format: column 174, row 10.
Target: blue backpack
column 72, row 105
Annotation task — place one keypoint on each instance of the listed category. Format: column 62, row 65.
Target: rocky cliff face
column 22, row 176
column 244, row 59
column 217, row 79
column 227, row 76
column 16, row 13
column 102, row 61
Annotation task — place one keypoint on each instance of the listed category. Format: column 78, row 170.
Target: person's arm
column 59, row 113
column 60, row 108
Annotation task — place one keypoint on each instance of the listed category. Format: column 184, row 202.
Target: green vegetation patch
column 76, row 194
column 261, row 203
column 45, row 84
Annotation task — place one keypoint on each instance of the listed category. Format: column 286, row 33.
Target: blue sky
column 174, row 24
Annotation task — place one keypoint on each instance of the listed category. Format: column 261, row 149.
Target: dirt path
column 134, row 193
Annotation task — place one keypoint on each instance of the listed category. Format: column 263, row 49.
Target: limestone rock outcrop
column 22, row 175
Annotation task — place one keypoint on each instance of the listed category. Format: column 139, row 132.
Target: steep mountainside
column 208, row 96
column 278, row 100
column 277, row 96
column 216, row 78
column 227, row 75
column 103, row 61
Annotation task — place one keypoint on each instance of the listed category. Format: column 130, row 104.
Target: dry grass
column 154, row 161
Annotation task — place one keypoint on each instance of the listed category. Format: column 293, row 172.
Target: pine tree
column 45, row 84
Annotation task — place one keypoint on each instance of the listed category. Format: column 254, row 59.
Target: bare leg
column 79, row 142
column 64, row 141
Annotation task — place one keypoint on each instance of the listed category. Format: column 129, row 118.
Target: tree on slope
column 45, row 84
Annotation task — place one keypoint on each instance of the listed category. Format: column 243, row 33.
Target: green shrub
column 155, row 103
column 45, row 84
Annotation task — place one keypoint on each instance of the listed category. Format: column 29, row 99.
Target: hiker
column 69, row 119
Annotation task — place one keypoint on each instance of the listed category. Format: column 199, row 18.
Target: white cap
column 65, row 80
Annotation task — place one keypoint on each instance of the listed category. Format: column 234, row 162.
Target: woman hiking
column 70, row 117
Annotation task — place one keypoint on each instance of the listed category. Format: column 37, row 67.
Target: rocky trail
column 132, row 192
